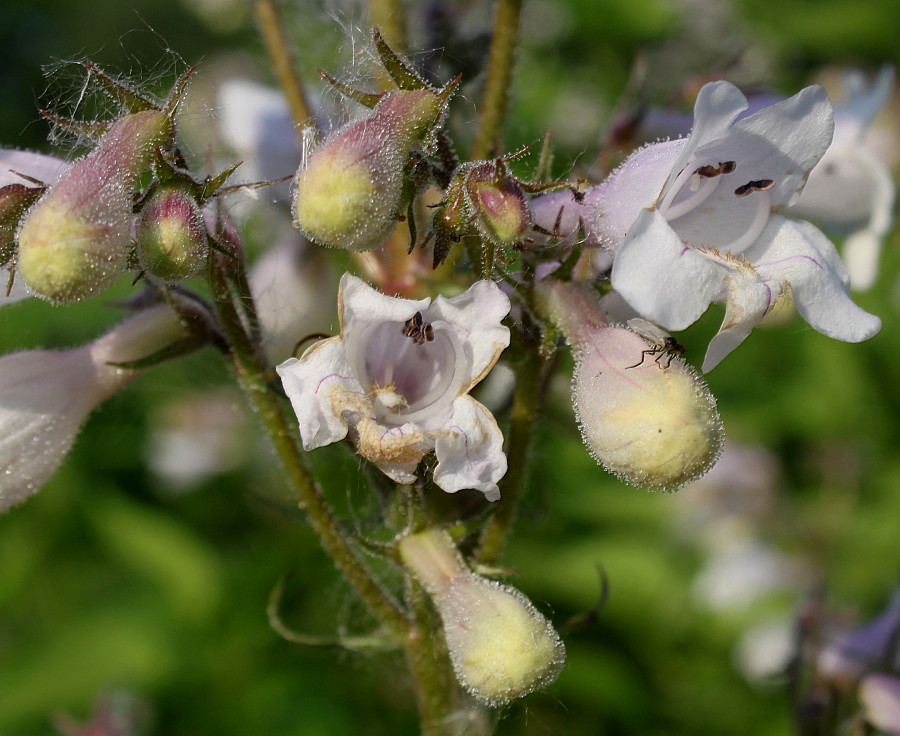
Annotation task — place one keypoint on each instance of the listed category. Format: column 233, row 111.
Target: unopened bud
column 645, row 415
column 347, row 194
column 73, row 242
column 501, row 214
column 15, row 199
column 501, row 647
column 171, row 236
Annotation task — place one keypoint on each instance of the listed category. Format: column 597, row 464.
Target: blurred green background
column 112, row 580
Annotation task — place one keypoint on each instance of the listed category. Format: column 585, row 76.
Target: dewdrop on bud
column 348, row 193
column 171, row 236
column 501, row 647
column 73, row 242
column 645, row 415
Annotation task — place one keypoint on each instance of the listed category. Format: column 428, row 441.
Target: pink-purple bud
column 348, row 193
column 171, row 235
column 73, row 243
column 645, row 415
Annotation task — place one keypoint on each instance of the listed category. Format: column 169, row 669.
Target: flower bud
column 347, row 194
column 645, row 415
column 501, row 647
column 171, row 235
column 501, row 212
column 73, row 242
column 15, row 199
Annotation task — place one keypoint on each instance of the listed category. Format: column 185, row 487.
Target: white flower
column 697, row 220
column 397, row 379
column 879, row 695
column 851, row 188
column 46, row 395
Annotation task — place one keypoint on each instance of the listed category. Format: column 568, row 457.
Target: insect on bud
column 73, row 242
column 348, row 193
column 171, row 236
column 501, row 647
column 645, row 415
column 15, row 199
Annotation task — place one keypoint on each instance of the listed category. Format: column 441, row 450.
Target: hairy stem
column 271, row 28
column 525, row 408
column 495, row 98
column 253, row 376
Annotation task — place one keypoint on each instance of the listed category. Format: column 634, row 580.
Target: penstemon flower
column 46, row 395
column 397, row 380
column 697, row 220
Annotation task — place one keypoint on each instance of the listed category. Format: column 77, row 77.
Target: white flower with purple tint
column 697, row 220
column 852, row 189
column 397, row 380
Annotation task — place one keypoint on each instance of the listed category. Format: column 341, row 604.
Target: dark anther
column 709, row 171
column 754, row 186
column 418, row 330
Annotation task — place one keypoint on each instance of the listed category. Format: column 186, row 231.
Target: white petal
column 749, row 299
column 476, row 315
column 863, row 101
column 316, row 385
column 16, row 294
column 36, row 165
column 799, row 253
column 359, row 302
column 718, row 105
column 470, row 450
column 631, row 188
column 666, row 281
column 783, row 142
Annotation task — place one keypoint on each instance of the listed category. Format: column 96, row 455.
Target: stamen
column 709, row 171
column 695, row 200
column 760, row 218
column 760, row 185
column 703, row 182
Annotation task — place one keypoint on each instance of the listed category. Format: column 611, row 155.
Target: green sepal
column 402, row 75
column 213, row 185
column 94, row 130
column 170, row 352
column 118, row 92
column 380, row 641
column 178, row 91
column 367, row 99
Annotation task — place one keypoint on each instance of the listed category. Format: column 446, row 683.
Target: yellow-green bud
column 15, row 199
column 347, row 194
column 73, row 242
column 171, row 236
column 501, row 647
column 644, row 414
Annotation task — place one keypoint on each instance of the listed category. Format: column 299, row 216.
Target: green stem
column 253, row 375
column 525, row 408
column 495, row 98
column 388, row 16
column 271, row 28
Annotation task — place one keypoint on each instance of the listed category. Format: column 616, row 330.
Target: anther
column 760, row 185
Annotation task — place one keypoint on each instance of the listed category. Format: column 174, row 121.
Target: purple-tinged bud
column 171, row 235
column 73, row 242
column 500, row 210
column 879, row 695
column 501, row 647
column 15, row 199
column 645, row 415
column 348, row 193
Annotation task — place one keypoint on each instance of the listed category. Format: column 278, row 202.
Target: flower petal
column 476, row 315
column 36, row 165
column 470, row 451
column 799, row 253
column 319, row 385
column 666, row 281
column 359, row 302
column 749, row 299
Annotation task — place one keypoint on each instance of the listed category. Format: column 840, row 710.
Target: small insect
column 754, row 186
column 418, row 330
column 663, row 345
column 709, row 171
